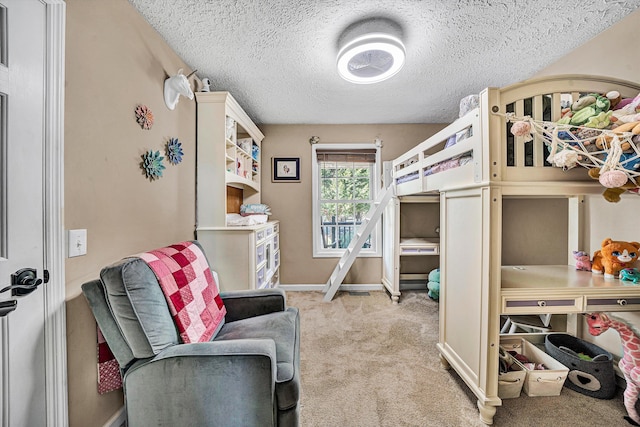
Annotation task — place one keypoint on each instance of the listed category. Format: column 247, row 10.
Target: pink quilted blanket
column 109, row 378
column 191, row 292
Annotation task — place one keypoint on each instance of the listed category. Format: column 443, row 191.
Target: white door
column 22, row 115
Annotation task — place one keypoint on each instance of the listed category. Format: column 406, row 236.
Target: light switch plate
column 76, row 243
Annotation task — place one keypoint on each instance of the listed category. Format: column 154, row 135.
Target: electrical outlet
column 76, row 243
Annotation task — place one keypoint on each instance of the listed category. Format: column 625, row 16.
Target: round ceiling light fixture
column 368, row 56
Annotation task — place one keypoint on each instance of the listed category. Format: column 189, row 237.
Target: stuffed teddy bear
column 614, row 256
column 434, row 284
column 583, row 262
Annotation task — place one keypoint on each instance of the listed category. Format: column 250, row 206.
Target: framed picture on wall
column 285, row 169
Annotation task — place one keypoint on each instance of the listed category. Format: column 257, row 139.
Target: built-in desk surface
column 534, row 289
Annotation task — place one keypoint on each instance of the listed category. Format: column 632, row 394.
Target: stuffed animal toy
column 628, row 110
column 565, row 159
column 622, row 129
column 583, row 262
column 614, row 256
column 630, row 275
column 630, row 362
column 585, row 108
column 614, row 98
column 612, row 194
column 434, row 284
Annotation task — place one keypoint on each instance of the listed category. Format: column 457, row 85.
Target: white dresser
column 244, row 257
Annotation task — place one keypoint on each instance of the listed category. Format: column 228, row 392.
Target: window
column 344, row 178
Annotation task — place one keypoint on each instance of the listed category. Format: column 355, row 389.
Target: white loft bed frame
column 473, row 298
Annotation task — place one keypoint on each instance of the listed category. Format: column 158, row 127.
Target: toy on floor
column 614, row 256
column 583, row 262
column 630, row 362
column 434, row 284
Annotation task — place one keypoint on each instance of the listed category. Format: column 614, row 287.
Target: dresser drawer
column 275, row 280
column 613, row 303
column 556, row 305
column 261, row 234
column 260, row 277
column 260, row 254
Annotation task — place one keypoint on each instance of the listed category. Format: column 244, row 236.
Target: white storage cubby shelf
column 508, row 224
column 411, row 245
column 229, row 155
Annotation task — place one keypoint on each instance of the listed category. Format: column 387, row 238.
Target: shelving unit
column 228, row 156
column 411, row 243
column 221, row 126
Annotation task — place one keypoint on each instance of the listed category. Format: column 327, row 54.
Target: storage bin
column 510, row 382
column 539, row 382
column 595, row 378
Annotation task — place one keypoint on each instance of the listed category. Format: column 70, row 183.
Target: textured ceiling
column 277, row 57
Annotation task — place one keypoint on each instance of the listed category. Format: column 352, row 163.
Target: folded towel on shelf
column 255, row 209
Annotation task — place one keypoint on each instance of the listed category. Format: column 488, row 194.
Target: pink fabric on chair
column 191, row 292
column 109, row 378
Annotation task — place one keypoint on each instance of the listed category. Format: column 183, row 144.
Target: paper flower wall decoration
column 144, row 117
column 174, row 151
column 152, row 164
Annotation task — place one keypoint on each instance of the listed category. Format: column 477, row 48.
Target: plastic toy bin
column 538, row 382
column 594, row 378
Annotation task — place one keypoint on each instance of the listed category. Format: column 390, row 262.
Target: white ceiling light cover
column 371, row 58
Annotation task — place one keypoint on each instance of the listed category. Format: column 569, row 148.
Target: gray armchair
column 247, row 375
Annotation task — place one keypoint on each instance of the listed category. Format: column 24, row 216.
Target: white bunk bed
column 479, row 177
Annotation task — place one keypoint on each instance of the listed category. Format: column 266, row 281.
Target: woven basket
column 594, row 378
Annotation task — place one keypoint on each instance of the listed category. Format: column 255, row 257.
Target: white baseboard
column 320, row 287
column 355, row 288
column 119, row 419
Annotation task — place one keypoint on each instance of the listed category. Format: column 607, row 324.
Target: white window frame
column 376, row 241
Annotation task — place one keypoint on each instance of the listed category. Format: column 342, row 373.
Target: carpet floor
column 366, row 362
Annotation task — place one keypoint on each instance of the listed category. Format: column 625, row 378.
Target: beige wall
column 291, row 202
column 114, row 61
column 612, row 53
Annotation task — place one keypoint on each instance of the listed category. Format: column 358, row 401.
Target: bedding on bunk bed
column 454, row 162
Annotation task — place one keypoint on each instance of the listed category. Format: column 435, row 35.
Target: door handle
column 7, row 307
column 23, row 282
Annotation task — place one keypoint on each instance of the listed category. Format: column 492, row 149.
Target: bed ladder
column 362, row 233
